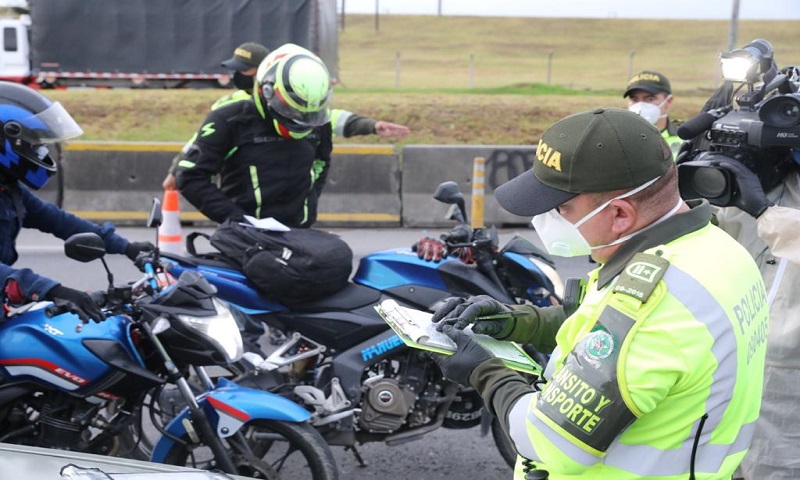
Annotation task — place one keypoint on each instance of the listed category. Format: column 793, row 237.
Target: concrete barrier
column 368, row 185
column 363, row 187
column 426, row 166
column 117, row 180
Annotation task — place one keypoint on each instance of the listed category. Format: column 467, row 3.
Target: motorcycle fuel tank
column 401, row 274
column 51, row 350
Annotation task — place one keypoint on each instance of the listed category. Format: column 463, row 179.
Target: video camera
column 760, row 133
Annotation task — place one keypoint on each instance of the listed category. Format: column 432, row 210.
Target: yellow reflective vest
column 659, row 371
column 670, row 134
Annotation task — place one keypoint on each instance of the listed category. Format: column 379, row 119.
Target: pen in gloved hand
column 503, row 316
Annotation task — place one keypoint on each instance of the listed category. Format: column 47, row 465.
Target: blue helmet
column 29, row 121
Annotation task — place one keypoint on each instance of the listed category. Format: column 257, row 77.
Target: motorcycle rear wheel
column 292, row 450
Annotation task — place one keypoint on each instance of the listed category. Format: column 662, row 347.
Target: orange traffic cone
column 170, row 237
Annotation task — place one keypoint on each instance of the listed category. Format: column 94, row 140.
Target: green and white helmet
column 294, row 85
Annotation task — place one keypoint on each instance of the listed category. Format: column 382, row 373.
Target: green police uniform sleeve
column 539, row 327
column 347, row 124
column 618, row 372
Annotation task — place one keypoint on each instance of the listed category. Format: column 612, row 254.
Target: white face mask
column 562, row 238
column 649, row 111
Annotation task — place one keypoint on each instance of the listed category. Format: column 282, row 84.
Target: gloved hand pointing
column 461, row 312
column 77, row 302
column 135, row 248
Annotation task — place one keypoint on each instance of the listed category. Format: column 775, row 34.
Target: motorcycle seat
column 349, row 298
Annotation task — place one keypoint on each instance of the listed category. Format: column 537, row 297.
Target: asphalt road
column 440, row 454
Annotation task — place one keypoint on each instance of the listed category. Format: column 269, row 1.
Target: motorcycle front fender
column 228, row 407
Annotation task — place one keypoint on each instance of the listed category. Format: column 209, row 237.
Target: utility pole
column 734, row 26
column 342, row 27
column 377, row 4
column 440, row 8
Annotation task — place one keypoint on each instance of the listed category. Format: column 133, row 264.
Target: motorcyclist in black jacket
column 272, row 153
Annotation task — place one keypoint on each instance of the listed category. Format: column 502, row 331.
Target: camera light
column 738, row 68
column 747, row 63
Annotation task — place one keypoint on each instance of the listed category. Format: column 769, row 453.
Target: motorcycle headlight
column 221, row 329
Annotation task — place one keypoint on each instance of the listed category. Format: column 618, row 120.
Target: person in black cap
column 657, row 371
column 649, row 94
column 244, row 65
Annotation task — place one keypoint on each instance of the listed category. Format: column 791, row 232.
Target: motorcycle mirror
column 155, row 217
column 453, row 213
column 446, row 192
column 85, row 247
column 449, row 193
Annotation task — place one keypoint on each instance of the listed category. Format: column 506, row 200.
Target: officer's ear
column 624, row 216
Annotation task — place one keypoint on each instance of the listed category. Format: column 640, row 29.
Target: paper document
column 268, row 223
column 417, row 330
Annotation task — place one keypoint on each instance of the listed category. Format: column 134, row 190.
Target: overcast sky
column 693, row 9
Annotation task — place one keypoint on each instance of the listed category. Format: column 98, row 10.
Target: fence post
column 397, row 70
column 549, row 65
column 630, row 63
column 471, row 70
column 478, row 191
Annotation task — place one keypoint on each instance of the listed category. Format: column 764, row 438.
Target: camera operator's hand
column 751, row 197
column 77, row 302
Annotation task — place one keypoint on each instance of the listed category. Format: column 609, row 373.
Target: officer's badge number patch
column 641, row 275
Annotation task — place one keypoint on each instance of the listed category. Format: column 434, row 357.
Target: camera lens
column 709, row 182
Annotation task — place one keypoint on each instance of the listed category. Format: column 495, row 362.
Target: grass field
column 500, row 97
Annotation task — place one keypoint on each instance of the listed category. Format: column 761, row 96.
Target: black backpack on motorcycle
column 291, row 267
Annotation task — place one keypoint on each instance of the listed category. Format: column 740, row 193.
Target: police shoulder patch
column 641, row 275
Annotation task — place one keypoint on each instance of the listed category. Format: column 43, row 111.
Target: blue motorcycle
column 73, row 385
column 344, row 363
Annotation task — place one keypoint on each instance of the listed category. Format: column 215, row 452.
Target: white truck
column 154, row 43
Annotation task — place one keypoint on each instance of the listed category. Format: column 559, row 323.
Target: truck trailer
column 154, row 43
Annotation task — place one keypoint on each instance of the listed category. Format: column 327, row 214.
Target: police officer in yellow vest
column 650, row 95
column 658, row 372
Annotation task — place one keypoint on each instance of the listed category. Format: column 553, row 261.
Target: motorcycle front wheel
column 273, row 450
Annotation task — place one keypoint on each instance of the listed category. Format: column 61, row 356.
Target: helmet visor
column 310, row 119
column 51, row 125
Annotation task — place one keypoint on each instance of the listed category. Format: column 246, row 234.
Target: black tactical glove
column 751, row 197
column 459, row 366
column 430, row 249
column 135, row 248
column 77, row 302
column 460, row 312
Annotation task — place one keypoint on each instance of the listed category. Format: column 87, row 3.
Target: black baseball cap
column 246, row 56
column 600, row 150
column 649, row 81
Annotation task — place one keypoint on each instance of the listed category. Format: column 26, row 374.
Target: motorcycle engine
column 387, row 403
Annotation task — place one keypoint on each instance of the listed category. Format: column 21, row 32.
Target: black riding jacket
column 261, row 173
